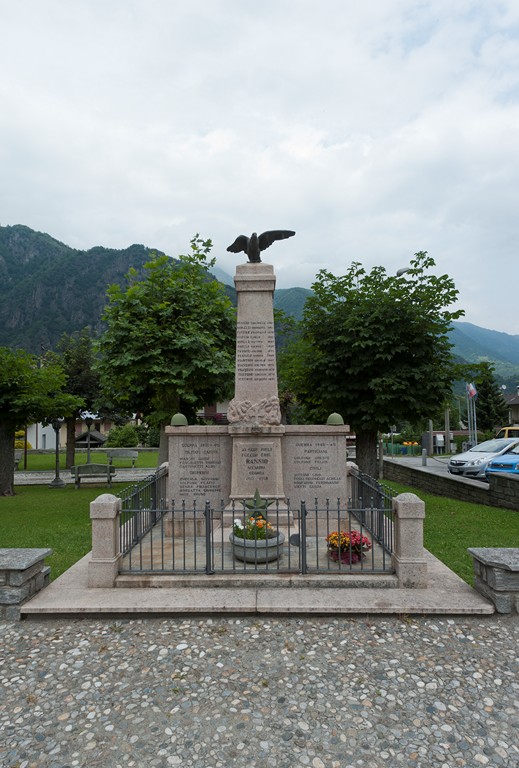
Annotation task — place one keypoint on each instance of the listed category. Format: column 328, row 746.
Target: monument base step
column 258, row 580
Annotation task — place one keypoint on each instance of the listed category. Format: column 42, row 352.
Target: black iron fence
column 372, row 503
column 355, row 536
column 142, row 507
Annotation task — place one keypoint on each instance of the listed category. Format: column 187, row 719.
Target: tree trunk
column 71, row 442
column 366, row 451
column 6, row 458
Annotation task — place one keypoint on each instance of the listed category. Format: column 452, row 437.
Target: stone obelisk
column 254, row 414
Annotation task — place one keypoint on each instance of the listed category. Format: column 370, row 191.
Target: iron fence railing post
column 208, row 513
column 302, row 537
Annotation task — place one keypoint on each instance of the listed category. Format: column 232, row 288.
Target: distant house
column 43, row 438
column 216, row 413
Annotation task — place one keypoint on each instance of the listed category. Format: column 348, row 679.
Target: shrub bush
column 20, row 445
column 123, row 437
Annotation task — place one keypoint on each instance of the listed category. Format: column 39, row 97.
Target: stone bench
column 122, row 453
column 92, row 470
column 496, row 576
column 22, row 573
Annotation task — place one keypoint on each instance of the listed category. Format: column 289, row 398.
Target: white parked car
column 473, row 463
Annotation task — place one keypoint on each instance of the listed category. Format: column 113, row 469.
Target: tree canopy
column 169, row 339
column 31, row 390
column 374, row 347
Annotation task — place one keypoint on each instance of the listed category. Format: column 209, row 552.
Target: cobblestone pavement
column 280, row 692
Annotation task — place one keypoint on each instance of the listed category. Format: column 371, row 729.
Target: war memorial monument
column 255, row 451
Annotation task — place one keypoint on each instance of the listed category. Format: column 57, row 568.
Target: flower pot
column 257, row 550
column 345, row 557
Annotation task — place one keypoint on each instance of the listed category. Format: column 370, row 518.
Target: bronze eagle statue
column 253, row 245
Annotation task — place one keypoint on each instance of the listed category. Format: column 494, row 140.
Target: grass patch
column 58, row 518
column 451, row 526
column 39, row 462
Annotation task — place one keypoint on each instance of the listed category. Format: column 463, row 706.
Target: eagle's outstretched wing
column 267, row 238
column 240, row 244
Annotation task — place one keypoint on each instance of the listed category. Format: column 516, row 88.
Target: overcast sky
column 374, row 129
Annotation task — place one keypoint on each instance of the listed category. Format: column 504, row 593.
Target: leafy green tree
column 31, row 390
column 169, row 341
column 375, row 349
column 77, row 355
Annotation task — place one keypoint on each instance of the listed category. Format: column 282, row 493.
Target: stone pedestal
column 496, row 576
column 199, row 465
column 22, row 573
column 104, row 563
column 257, row 464
column 408, row 557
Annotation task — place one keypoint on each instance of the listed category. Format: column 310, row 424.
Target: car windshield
column 491, row 446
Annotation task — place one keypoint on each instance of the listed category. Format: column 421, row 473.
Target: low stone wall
column 22, row 573
column 496, row 576
column 503, row 490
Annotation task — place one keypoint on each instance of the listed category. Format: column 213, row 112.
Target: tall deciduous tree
column 170, row 337
column 375, row 348
column 78, row 359
column 31, row 390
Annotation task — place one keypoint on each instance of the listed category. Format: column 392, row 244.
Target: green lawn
column 452, row 526
column 38, row 516
column 47, row 461
column 59, row 518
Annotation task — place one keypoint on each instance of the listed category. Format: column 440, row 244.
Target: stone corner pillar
column 103, row 566
column 408, row 557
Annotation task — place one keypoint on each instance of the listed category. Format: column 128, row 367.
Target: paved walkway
column 436, row 465
column 260, row 692
column 122, row 475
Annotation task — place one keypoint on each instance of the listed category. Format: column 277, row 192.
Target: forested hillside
column 47, row 289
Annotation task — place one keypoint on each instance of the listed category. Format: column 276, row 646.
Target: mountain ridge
column 48, row 288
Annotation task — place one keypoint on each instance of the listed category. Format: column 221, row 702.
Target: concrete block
column 503, row 601
column 12, row 612
column 16, row 578
column 502, row 580
column 14, row 595
column 103, row 573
